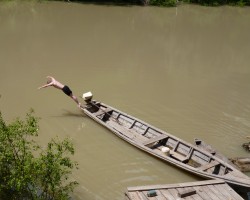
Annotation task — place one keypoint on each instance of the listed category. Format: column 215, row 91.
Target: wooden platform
column 202, row 190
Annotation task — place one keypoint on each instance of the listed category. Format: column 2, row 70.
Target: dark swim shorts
column 66, row 90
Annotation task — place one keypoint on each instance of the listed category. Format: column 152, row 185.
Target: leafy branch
column 26, row 176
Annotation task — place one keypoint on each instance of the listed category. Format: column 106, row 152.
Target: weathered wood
column 155, row 139
column 188, row 184
column 173, row 192
column 204, row 193
column 184, row 155
column 99, row 112
column 209, row 165
column 195, row 196
column 202, row 145
column 146, row 130
column 200, row 190
column 102, row 111
column 227, row 191
column 133, row 196
column 142, row 196
column 190, row 153
column 132, row 124
column 176, row 146
column 216, row 192
column 186, row 192
column 178, row 156
column 126, row 132
column 167, row 195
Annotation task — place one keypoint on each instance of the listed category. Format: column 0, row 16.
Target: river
column 185, row 70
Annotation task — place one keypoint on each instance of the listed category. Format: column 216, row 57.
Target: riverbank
column 161, row 3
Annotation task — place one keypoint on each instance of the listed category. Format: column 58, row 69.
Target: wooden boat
column 208, row 148
column 164, row 145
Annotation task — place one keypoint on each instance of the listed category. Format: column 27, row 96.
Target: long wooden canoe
column 164, row 145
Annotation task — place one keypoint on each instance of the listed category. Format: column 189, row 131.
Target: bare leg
column 76, row 100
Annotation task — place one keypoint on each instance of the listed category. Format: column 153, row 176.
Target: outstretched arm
column 50, row 83
column 44, row 86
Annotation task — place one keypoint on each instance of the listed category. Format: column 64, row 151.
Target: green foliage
column 26, row 176
column 220, row 2
column 163, row 2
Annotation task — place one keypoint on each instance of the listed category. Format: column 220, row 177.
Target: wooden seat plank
column 102, row 111
column 155, row 139
column 178, row 156
column 209, row 165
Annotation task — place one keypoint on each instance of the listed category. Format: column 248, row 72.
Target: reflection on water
column 184, row 70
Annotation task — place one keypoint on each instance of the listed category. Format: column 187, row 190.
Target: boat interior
column 158, row 141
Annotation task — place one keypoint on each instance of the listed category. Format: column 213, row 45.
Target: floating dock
column 201, row 190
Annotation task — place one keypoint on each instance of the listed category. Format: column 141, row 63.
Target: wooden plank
column 167, row 194
column 185, row 192
column 206, row 193
column 202, row 193
column 127, row 132
column 168, row 186
column 190, row 153
column 188, row 198
column 226, row 194
column 178, row 156
column 222, row 170
column 146, row 130
column 133, row 196
column 99, row 112
column 155, row 139
column 226, row 189
column 143, row 196
column 107, row 110
column 174, row 193
column 119, row 114
column 216, row 192
column 161, row 195
column 176, row 145
column 209, row 165
column 211, row 193
column 131, row 126
column 196, row 196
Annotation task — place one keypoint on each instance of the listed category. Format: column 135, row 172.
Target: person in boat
column 53, row 82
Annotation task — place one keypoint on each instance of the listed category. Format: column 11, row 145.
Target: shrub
column 26, row 176
column 163, row 2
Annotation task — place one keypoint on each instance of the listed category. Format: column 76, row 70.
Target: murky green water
column 185, row 70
